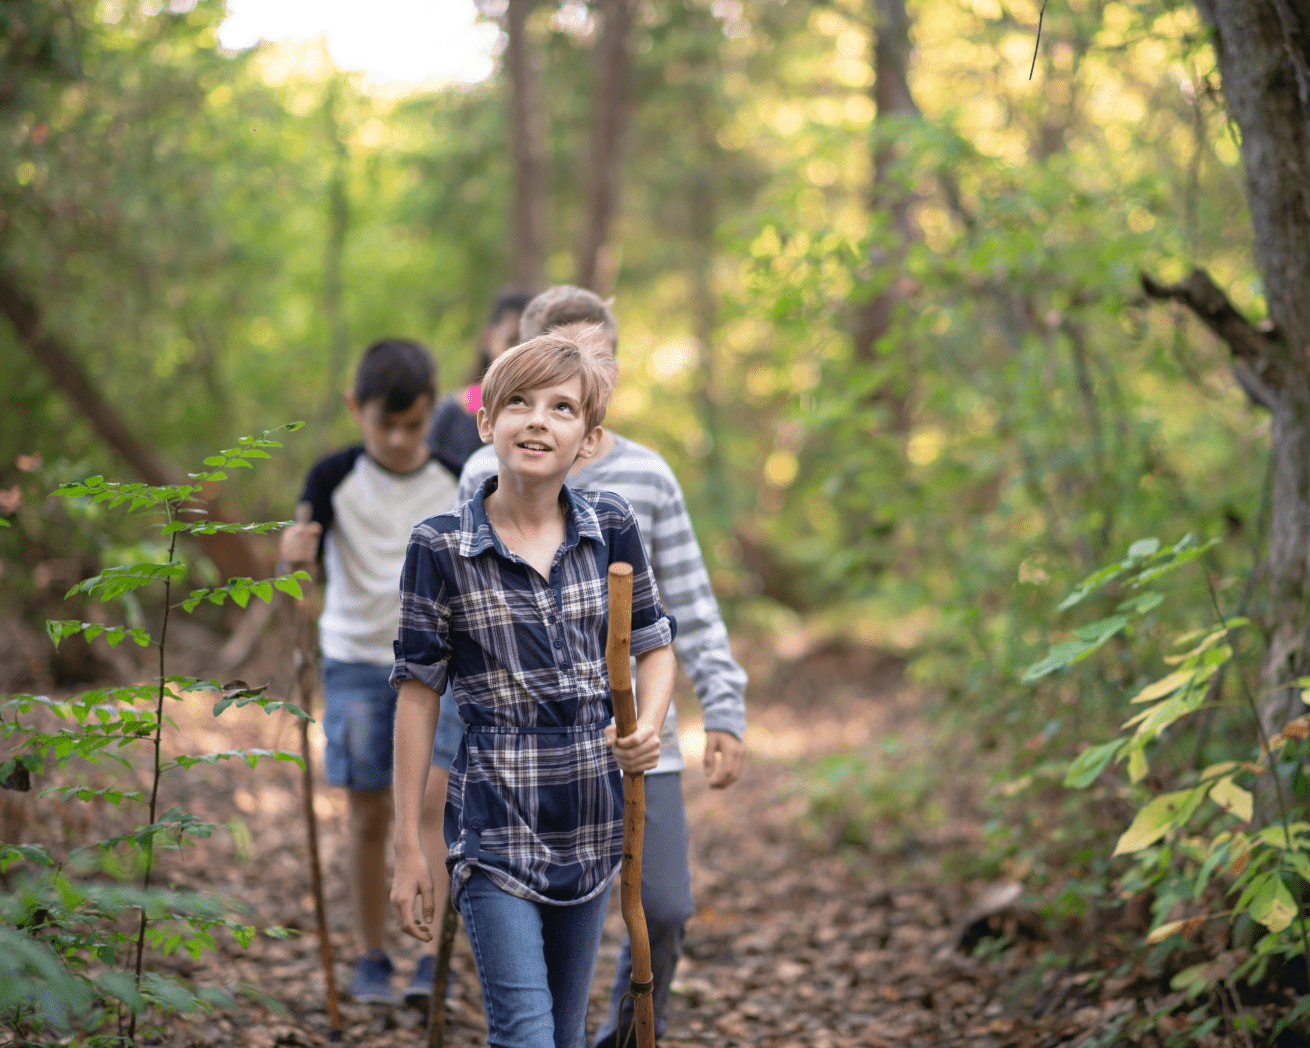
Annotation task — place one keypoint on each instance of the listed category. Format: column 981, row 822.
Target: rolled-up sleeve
column 652, row 626
column 422, row 645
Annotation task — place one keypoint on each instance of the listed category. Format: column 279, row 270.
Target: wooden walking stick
column 306, row 679
column 617, row 656
column 441, row 973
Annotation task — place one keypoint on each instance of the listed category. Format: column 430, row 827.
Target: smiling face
column 539, row 433
column 394, row 439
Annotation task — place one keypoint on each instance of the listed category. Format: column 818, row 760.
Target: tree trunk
column 894, row 105
column 231, row 554
column 703, row 220
column 605, row 170
column 529, row 129
column 334, row 249
column 1261, row 47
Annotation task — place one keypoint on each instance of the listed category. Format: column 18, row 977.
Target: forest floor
column 794, row 942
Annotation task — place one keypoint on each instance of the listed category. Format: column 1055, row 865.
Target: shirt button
column 551, row 620
column 476, row 824
column 559, row 644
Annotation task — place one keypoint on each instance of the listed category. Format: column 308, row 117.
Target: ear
column 484, row 425
column 354, row 407
column 591, row 442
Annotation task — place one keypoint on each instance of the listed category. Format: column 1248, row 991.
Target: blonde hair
column 566, row 305
column 552, row 358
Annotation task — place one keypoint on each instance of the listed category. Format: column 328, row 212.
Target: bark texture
column 1261, row 47
column 529, row 127
column 605, row 170
column 888, row 195
column 231, row 554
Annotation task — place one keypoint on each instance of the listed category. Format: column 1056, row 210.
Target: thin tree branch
column 1038, row 43
column 1251, row 348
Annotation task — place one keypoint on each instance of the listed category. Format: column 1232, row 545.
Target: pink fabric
column 473, row 399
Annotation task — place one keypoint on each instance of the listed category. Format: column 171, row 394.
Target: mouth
column 532, row 445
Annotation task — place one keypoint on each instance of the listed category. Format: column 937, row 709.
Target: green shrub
column 74, row 933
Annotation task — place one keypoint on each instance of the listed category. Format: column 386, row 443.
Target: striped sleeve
column 481, row 465
column 684, row 584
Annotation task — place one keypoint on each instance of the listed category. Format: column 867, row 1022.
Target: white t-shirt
column 367, row 513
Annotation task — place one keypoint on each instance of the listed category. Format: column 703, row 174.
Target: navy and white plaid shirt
column 535, row 798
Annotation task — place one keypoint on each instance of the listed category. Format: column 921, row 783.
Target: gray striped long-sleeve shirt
column 643, row 478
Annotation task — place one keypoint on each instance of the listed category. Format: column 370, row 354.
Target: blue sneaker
column 372, row 981
column 419, row 991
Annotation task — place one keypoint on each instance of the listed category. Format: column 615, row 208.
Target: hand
column 299, row 544
column 723, row 754
column 637, row 752
column 412, row 892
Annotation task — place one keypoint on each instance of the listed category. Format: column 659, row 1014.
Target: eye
column 564, row 405
column 515, row 398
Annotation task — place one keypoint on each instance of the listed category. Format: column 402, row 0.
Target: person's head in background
column 502, row 328
column 563, row 306
column 392, row 398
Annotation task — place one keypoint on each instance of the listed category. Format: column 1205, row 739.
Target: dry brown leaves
column 791, row 944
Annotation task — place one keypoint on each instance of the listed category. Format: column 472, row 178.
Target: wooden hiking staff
column 441, row 972
column 617, row 658
column 305, row 680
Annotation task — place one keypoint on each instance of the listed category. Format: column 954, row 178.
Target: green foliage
column 1198, row 835
column 74, row 931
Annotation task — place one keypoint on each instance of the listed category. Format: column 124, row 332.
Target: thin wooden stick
column 441, row 973
column 617, row 656
column 305, row 683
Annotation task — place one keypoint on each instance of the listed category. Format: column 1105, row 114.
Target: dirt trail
column 791, row 944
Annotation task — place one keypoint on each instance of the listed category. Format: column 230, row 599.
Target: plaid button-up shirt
column 535, row 798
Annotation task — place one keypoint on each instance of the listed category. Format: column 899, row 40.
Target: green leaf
column 1158, row 817
column 288, row 584
column 1233, row 799
column 167, row 992
column 1060, row 656
column 1090, row 763
column 1277, row 837
column 1089, row 586
column 1102, row 630
column 1143, row 548
column 1273, row 905
column 121, row 985
column 1165, row 686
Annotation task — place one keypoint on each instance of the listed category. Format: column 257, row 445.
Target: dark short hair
column 565, row 304
column 397, row 372
column 509, row 300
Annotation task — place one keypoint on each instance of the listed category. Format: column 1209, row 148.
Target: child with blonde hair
column 506, row 599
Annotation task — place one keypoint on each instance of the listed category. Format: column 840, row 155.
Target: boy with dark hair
column 643, row 478
column 365, row 500
column 454, row 433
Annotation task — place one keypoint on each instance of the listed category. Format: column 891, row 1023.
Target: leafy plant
column 1225, row 831
column 74, row 932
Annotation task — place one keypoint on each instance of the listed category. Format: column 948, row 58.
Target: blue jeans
column 359, row 721
column 535, row 963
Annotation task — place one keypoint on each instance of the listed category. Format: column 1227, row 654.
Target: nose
column 537, row 417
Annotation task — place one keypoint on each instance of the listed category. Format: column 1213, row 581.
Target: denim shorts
column 359, row 720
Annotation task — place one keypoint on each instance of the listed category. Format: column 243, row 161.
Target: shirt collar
column 477, row 535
